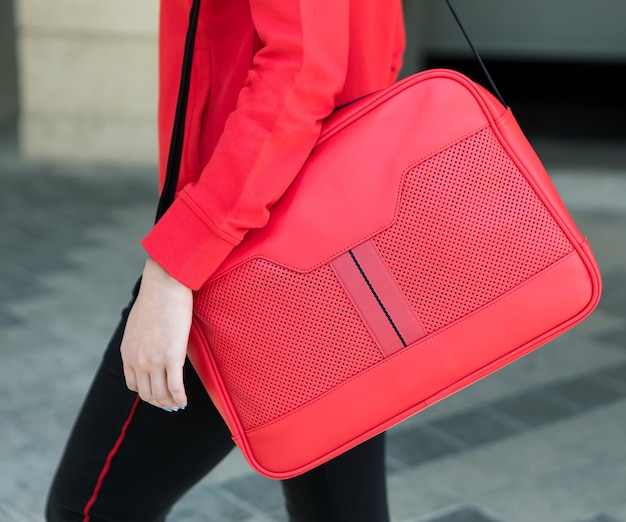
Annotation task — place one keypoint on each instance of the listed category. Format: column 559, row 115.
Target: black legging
column 115, row 469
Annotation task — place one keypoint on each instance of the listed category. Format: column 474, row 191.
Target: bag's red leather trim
column 375, row 294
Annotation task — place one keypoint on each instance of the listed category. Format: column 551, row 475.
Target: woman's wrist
column 156, row 273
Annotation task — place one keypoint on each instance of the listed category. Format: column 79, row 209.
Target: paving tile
column 532, row 408
column 613, row 299
column 530, row 454
column 54, row 421
column 413, row 493
column 206, row 504
column 37, row 354
column 264, row 494
column 12, row 438
column 441, row 483
column 277, row 515
column 574, row 353
column 7, row 514
column 598, row 518
column 596, row 433
column 597, row 323
column 462, row 514
column 233, row 466
column 414, row 446
column 561, row 495
column 262, row 518
column 8, row 318
column 24, row 482
column 473, row 427
column 587, row 194
column 601, row 486
column 616, row 372
column 587, row 392
column 615, row 337
column 18, row 283
column 530, row 502
column 75, row 325
column 602, row 227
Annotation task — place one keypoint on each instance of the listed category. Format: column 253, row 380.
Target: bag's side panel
column 201, row 356
column 517, row 146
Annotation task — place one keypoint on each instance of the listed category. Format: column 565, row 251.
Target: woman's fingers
column 130, row 378
column 144, row 385
column 160, row 387
column 176, row 386
column 155, row 390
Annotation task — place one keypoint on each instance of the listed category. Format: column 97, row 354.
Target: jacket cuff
column 185, row 246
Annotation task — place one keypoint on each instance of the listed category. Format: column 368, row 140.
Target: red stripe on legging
column 107, row 464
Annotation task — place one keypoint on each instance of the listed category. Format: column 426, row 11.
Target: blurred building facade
column 87, row 79
column 79, row 76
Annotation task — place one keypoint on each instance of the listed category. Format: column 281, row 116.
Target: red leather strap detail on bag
column 373, row 291
column 107, row 463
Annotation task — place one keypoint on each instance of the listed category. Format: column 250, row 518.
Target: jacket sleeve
column 291, row 87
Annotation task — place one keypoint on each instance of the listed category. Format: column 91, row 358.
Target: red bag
column 421, row 248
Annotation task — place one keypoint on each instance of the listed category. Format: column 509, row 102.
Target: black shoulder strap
column 475, row 51
column 178, row 130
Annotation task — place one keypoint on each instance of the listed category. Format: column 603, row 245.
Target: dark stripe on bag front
column 380, row 303
column 377, row 297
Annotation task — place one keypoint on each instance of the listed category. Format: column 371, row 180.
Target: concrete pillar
column 88, row 79
column 8, row 68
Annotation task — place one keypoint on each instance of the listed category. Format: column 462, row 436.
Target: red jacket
column 265, row 75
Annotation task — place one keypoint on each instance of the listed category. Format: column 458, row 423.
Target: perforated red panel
column 467, row 218
column 323, row 343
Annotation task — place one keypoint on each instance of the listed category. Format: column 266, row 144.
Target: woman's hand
column 154, row 345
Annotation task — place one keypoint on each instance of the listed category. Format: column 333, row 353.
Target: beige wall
column 87, row 77
column 88, row 68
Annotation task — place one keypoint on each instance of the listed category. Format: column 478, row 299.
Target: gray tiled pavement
column 543, row 440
